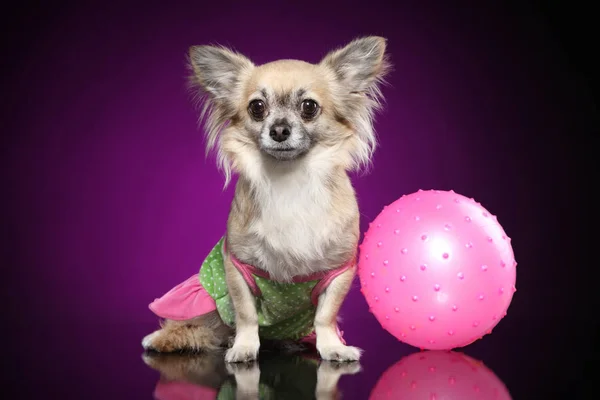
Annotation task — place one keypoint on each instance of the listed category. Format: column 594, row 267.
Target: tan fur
column 203, row 333
column 293, row 213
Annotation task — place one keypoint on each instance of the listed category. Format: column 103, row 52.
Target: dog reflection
column 274, row 376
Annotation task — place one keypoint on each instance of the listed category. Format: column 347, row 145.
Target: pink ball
column 437, row 270
column 437, row 375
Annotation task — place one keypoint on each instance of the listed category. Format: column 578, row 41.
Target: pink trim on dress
column 246, row 271
column 325, row 277
column 185, row 301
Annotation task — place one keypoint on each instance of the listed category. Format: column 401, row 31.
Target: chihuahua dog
column 291, row 131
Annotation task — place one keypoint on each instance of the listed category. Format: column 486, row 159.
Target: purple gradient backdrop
column 111, row 201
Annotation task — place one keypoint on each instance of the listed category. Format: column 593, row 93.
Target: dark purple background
column 110, row 200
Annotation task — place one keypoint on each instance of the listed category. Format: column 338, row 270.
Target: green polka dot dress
column 285, row 310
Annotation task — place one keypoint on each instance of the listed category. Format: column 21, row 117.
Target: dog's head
column 289, row 110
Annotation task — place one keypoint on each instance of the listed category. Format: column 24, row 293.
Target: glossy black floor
column 523, row 359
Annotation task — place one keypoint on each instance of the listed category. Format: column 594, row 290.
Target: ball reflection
column 437, row 375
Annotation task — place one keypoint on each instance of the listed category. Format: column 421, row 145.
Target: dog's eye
column 309, row 109
column 257, row 109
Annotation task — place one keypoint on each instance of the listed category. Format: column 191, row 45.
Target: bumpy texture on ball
column 437, row 375
column 437, row 270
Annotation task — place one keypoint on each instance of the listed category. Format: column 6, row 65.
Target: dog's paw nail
column 340, row 353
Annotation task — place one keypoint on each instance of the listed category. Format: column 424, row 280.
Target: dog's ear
column 217, row 76
column 218, row 71
column 359, row 65
column 359, row 69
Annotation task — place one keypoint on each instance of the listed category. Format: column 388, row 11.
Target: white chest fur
column 295, row 223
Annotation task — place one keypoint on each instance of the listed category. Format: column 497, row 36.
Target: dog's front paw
column 340, row 352
column 242, row 352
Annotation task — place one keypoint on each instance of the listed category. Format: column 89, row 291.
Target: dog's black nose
column 280, row 132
